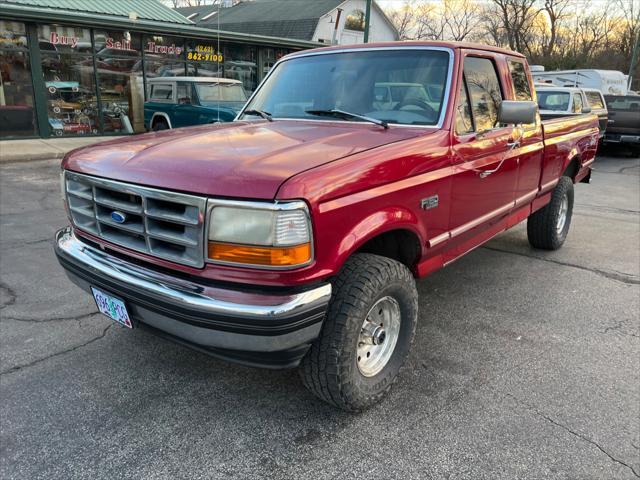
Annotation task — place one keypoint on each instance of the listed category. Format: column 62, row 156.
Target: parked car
column 555, row 102
column 624, row 121
column 183, row 101
column 293, row 236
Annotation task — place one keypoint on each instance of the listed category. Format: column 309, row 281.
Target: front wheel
column 366, row 336
column 547, row 228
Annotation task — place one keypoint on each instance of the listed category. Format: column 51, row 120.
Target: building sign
column 204, row 53
column 154, row 48
column 164, row 46
column 119, row 44
column 57, row 39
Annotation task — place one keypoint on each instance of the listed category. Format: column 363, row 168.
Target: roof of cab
column 399, row 45
column 194, row 79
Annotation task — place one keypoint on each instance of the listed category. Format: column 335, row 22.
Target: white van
column 609, row 82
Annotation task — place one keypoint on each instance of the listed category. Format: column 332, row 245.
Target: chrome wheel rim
column 562, row 216
column 378, row 336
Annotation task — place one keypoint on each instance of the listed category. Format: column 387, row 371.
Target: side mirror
column 586, row 109
column 517, row 112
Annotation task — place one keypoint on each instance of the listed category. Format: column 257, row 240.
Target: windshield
column 396, row 86
column 220, row 92
column 556, row 101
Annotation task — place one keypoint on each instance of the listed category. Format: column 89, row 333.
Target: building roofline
column 50, row 15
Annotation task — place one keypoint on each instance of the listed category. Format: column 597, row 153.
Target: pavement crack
column 622, row 277
column 622, row 170
column 10, row 293
column 53, row 319
column 572, row 432
column 57, row 354
column 608, row 209
column 29, row 243
column 617, row 327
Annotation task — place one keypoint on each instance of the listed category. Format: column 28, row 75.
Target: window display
column 71, row 94
column 119, row 69
column 17, row 113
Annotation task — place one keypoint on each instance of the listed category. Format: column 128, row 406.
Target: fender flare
column 159, row 114
column 378, row 223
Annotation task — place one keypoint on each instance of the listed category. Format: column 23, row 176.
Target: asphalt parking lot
column 526, row 364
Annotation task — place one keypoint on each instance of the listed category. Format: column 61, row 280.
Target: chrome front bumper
column 245, row 325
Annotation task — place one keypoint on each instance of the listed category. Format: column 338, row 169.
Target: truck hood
column 240, row 159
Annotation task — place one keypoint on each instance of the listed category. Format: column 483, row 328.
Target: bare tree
column 461, row 18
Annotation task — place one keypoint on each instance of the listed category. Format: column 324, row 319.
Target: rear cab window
column 521, row 87
column 595, row 99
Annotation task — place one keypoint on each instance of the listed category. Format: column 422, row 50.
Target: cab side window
column 484, row 91
column 521, row 86
column 184, row 94
column 577, row 103
column 464, row 120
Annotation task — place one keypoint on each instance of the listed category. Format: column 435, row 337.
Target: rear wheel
column 366, row 336
column 548, row 227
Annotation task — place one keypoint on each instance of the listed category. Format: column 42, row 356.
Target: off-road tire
column 541, row 225
column 330, row 370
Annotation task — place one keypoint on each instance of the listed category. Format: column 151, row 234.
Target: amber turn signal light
column 264, row 256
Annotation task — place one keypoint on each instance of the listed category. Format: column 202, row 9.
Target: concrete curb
column 17, row 151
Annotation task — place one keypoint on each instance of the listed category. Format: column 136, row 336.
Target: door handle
column 511, row 144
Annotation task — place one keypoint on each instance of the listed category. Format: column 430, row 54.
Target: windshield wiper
column 260, row 113
column 346, row 115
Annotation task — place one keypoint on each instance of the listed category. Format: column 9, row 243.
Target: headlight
column 260, row 234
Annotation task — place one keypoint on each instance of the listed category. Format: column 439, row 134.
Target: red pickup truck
column 294, row 235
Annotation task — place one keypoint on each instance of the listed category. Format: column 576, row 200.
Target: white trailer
column 609, row 82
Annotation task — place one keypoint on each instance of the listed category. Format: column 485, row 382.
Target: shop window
column 204, row 59
column 71, row 94
column 121, row 95
column 167, row 68
column 119, row 68
column 240, row 63
column 12, row 36
column 117, row 43
column 17, row 113
column 63, row 39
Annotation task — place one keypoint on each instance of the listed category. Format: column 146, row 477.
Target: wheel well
column 400, row 245
column 572, row 169
column 159, row 119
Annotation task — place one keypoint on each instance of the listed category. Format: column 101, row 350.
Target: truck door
column 485, row 168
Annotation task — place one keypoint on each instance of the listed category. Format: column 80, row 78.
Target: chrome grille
column 164, row 224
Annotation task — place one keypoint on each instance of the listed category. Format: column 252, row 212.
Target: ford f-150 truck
column 294, row 235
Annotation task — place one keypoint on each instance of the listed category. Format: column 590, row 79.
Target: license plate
column 112, row 307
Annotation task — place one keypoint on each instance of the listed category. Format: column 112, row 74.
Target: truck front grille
column 164, row 224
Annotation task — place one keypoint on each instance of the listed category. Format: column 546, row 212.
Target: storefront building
column 87, row 74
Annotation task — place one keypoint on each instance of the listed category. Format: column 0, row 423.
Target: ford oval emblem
column 118, row 217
